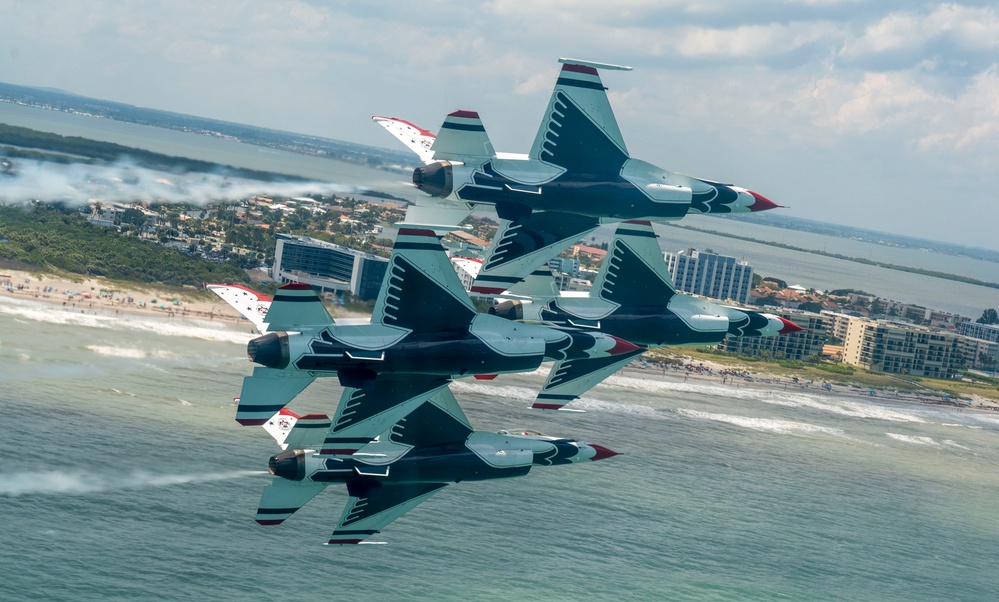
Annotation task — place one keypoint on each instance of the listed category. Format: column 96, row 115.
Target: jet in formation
column 633, row 297
column 577, row 175
column 424, row 332
column 433, row 445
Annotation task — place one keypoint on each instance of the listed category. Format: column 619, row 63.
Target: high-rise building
column 795, row 346
column 903, row 349
column 328, row 266
column 987, row 332
column 710, row 275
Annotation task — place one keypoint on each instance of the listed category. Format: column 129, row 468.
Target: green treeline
column 47, row 236
column 32, row 142
column 880, row 264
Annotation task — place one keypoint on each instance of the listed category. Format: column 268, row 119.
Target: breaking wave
column 772, row 425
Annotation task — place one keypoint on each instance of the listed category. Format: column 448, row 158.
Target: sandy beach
column 97, row 295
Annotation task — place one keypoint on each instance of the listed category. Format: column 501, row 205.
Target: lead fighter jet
column 431, row 446
column 577, row 175
column 423, row 332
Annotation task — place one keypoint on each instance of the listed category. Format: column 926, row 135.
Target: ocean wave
column 914, row 439
column 591, row 404
column 79, row 483
column 773, row 425
column 131, row 352
column 475, row 387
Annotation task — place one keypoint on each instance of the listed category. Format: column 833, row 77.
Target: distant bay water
column 809, row 270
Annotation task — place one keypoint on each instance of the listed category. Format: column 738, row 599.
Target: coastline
column 86, row 296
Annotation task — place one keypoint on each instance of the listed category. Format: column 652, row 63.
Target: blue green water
column 125, row 477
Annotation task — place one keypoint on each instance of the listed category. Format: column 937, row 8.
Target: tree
column 989, row 316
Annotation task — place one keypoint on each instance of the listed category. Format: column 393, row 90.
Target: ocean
column 125, row 477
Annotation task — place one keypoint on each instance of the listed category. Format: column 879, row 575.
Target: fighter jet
column 431, row 446
column 633, row 297
column 423, row 332
column 577, row 175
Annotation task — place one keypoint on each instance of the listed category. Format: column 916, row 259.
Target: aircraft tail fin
column 634, row 272
column 579, row 132
column 297, row 307
column 421, row 291
column 413, row 136
column 249, row 303
column 463, row 138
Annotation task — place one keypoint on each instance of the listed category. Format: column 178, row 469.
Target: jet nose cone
column 602, row 452
column 789, row 327
column 762, row 203
column 622, row 346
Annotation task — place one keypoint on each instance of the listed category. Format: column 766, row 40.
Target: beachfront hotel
column 902, row 349
column 710, row 275
column 795, row 346
column 327, row 266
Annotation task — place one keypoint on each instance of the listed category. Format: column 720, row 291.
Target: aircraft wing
column 524, row 243
column 249, row 303
column 373, row 505
column 266, row 392
column 571, row 378
column 421, row 291
column 634, row 272
column 579, row 132
column 413, row 136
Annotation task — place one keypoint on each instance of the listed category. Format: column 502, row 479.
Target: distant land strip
column 880, row 264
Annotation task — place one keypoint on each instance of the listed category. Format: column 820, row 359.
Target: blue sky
column 873, row 114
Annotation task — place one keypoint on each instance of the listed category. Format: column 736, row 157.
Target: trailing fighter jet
column 429, row 447
column 577, row 175
column 423, row 332
column 633, row 297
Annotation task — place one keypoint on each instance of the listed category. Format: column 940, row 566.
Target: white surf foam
column 914, row 439
column 183, row 327
column 773, row 425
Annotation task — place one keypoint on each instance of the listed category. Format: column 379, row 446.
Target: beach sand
column 97, row 295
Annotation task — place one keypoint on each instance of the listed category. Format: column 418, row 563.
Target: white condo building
column 710, row 275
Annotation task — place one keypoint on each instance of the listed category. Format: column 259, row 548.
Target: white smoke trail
column 78, row 183
column 79, row 483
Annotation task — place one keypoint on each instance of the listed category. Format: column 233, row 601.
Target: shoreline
column 87, row 297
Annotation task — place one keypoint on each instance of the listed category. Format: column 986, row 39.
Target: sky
column 882, row 115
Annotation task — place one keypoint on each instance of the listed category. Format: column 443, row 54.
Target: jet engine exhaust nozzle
column 270, row 350
column 288, row 464
column 435, row 179
column 511, row 310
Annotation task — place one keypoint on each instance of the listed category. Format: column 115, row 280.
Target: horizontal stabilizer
column 298, row 308
column 283, row 497
column 539, row 285
column 265, row 393
column 370, row 508
column 569, row 379
column 462, row 137
column 413, row 136
column 249, row 303
column 309, row 432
